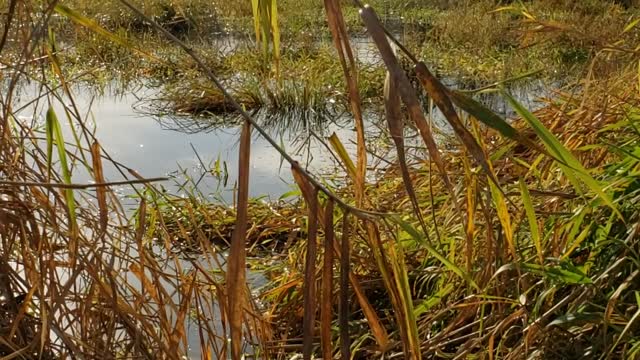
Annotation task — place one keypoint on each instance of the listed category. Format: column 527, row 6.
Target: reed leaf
column 373, row 320
column 491, row 119
column 265, row 22
column 310, row 194
column 443, row 259
column 326, row 305
column 236, row 268
column 578, row 240
column 407, row 94
column 49, row 128
column 101, row 191
column 255, row 8
column 533, row 222
column 340, row 150
column 343, row 316
column 275, row 32
column 471, row 197
column 503, row 215
column 309, row 315
column 395, row 122
column 411, row 344
column 439, row 94
column 178, row 333
column 563, row 273
column 340, row 36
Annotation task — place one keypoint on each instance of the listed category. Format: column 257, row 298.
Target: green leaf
column 49, row 131
column 433, row 300
column 484, row 114
column 275, row 30
column 256, row 18
column 578, row 241
column 491, row 119
column 292, row 193
column 631, row 25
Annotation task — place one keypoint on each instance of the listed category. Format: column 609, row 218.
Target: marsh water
column 200, row 155
column 200, row 158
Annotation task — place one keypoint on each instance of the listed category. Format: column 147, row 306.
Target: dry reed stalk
column 236, row 277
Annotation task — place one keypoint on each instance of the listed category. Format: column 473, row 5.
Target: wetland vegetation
column 429, row 212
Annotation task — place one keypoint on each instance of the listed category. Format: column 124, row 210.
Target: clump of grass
column 311, row 85
column 272, row 226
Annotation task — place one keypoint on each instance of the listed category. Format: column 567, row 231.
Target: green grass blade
column 563, row 274
column 573, row 169
column 578, row 241
column 401, row 277
column 49, row 132
column 631, row 25
column 426, row 304
column 275, row 31
column 256, row 18
column 420, row 239
column 56, row 135
column 483, row 114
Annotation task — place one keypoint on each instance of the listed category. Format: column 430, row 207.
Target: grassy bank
column 474, row 42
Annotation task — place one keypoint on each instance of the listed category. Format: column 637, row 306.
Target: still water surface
column 150, row 145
